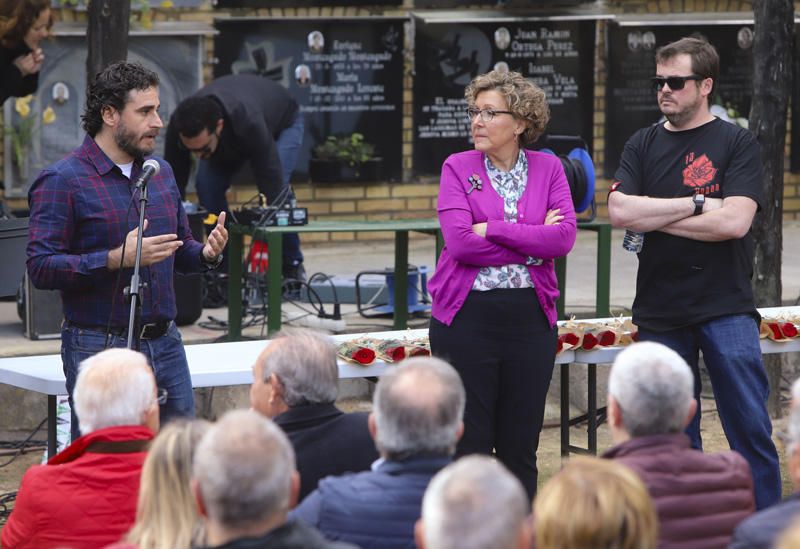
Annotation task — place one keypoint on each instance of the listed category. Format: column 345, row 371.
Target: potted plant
column 344, row 159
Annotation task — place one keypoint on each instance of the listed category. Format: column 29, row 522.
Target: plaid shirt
column 83, row 206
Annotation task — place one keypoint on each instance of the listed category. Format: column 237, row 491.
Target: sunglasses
column 674, row 82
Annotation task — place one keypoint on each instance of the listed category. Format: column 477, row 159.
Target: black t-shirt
column 683, row 281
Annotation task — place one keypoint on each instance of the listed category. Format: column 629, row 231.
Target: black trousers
column 504, row 348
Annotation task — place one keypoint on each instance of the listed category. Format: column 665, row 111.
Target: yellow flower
column 23, row 105
column 49, row 115
column 167, row 4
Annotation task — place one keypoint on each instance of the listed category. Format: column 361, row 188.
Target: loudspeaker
column 43, row 312
column 189, row 288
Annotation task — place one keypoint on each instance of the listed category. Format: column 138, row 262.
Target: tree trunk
column 772, row 77
column 107, row 34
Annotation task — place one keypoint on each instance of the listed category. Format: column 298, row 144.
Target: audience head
column 244, row 476
column 24, row 21
column 594, row 504
column 297, row 368
column 474, row 503
column 418, row 410
column 166, row 514
column 115, row 387
column 650, row 391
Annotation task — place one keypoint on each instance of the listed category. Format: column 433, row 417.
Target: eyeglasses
column 487, row 115
column 674, row 82
column 161, row 396
column 205, row 150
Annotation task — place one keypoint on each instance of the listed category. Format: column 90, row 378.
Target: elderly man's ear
column 150, row 417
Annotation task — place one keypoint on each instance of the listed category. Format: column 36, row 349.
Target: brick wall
column 417, row 198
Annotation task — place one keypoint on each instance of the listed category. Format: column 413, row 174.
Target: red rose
column 364, row 356
column 419, row 351
column 789, row 329
column 571, row 339
column 635, row 336
column 397, row 353
column 589, row 341
column 776, row 330
column 607, row 338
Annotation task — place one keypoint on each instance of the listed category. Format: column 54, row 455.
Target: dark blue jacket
column 763, row 529
column 374, row 509
column 327, row 442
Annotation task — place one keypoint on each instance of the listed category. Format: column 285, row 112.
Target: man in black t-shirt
column 693, row 184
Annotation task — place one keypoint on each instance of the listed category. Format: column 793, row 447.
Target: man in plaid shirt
column 83, row 230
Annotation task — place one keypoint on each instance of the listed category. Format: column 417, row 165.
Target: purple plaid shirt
column 82, row 207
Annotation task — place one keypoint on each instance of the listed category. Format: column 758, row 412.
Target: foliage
column 23, row 131
column 350, row 149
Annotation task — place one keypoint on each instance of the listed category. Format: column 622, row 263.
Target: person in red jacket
column 700, row 498
column 85, row 497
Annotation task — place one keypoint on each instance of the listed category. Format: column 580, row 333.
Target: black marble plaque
column 346, row 75
column 631, row 100
column 556, row 55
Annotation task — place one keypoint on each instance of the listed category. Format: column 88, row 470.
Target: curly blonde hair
column 525, row 99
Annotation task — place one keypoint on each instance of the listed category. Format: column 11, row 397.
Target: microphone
column 149, row 169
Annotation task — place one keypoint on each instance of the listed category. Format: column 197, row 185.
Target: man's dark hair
column 705, row 59
column 195, row 114
column 110, row 88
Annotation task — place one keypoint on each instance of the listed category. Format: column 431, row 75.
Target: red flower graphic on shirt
column 699, row 173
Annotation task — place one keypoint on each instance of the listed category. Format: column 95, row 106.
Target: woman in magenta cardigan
column 505, row 213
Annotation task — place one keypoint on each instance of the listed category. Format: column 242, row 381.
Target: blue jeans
column 165, row 355
column 732, row 355
column 213, row 181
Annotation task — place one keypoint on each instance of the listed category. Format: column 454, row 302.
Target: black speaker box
column 43, row 312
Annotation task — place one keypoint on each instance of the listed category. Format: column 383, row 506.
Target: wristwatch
column 699, row 200
column 210, row 265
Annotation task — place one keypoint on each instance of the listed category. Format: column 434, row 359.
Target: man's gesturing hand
column 216, row 240
column 154, row 249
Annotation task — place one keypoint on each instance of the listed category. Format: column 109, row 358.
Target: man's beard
column 679, row 118
column 127, row 142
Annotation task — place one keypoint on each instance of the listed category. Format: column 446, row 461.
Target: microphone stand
column 132, row 292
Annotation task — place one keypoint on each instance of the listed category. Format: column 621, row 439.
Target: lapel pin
column 475, row 183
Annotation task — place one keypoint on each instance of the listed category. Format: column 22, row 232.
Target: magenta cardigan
column 465, row 252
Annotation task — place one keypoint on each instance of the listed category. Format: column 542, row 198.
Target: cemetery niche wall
column 45, row 127
column 345, row 73
column 631, row 99
column 557, row 55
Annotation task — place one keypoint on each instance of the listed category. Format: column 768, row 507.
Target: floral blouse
column 510, row 186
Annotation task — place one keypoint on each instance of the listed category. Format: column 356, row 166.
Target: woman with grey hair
column 506, row 213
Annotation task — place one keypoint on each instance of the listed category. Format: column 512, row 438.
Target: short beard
column 678, row 119
column 126, row 141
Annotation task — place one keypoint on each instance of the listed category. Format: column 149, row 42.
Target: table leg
column 561, row 276
column 52, row 424
column 274, row 281
column 591, row 385
column 565, row 410
column 235, row 244
column 400, row 280
column 602, row 302
column 439, row 244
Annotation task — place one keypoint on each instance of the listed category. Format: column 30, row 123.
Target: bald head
column 115, row 387
column 418, row 409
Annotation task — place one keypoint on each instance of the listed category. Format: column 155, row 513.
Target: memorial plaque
column 62, row 88
column 556, row 55
column 794, row 159
column 346, row 75
column 631, row 100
